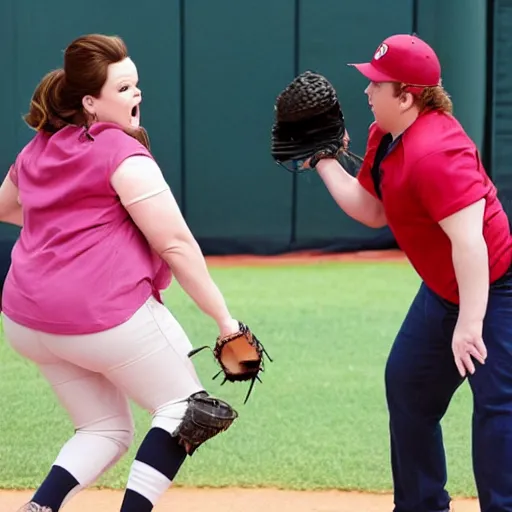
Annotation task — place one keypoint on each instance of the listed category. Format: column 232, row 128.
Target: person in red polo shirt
column 423, row 177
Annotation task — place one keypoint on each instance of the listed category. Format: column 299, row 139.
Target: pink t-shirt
column 81, row 265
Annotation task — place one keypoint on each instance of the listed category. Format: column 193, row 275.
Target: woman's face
column 119, row 100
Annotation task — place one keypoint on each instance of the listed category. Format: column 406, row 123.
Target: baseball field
column 313, row 435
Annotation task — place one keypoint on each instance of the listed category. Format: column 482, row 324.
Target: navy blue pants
column 421, row 378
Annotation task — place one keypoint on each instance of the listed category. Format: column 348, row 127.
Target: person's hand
column 346, row 140
column 467, row 342
column 228, row 326
column 321, row 164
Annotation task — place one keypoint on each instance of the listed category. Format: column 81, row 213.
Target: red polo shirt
column 433, row 171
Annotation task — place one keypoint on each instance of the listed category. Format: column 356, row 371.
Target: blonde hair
column 432, row 98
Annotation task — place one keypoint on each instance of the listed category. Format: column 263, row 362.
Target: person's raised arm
column 350, row 195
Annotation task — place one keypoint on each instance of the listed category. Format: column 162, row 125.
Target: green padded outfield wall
column 210, row 72
column 33, row 36
column 237, row 54
column 457, row 29
column 501, row 101
column 10, row 139
column 329, row 39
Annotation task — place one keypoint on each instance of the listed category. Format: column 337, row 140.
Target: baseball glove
column 309, row 123
column 205, row 417
column 350, row 162
column 240, row 357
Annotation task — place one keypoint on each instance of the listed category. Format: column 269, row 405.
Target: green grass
column 319, row 418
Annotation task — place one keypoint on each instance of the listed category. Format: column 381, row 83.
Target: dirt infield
column 232, row 500
column 306, row 257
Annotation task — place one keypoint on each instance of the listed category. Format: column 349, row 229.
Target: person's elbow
column 178, row 245
column 375, row 217
column 367, row 208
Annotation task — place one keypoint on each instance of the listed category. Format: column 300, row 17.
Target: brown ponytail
column 47, row 111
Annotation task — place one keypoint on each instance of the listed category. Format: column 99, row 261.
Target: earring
column 87, row 124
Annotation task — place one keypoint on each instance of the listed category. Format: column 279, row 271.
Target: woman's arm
column 10, row 208
column 148, row 199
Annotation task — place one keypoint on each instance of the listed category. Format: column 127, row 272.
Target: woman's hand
column 228, row 326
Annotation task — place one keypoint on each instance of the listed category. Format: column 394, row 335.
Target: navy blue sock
column 135, row 502
column 54, row 489
column 158, row 459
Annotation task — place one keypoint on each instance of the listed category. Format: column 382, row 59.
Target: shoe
column 34, row 507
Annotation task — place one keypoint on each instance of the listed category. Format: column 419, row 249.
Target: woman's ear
column 88, row 104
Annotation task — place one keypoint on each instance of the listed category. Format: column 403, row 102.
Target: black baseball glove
column 309, row 123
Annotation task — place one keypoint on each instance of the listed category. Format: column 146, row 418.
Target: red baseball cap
column 403, row 58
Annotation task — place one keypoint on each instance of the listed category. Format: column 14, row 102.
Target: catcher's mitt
column 240, row 356
column 309, row 123
column 205, row 417
column 350, row 162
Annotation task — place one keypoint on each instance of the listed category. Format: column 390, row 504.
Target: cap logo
column 381, row 51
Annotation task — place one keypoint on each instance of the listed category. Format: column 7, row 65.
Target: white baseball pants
column 93, row 375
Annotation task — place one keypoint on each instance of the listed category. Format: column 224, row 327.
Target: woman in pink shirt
column 101, row 230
